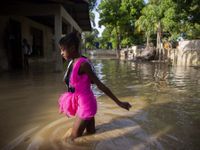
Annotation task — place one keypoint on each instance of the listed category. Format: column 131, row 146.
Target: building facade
column 41, row 23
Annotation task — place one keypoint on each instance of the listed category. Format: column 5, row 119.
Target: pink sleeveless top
column 82, row 102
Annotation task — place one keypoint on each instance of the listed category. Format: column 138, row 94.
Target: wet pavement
column 165, row 113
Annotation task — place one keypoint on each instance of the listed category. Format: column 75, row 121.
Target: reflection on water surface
column 165, row 112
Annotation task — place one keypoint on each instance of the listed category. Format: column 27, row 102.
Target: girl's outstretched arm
column 86, row 68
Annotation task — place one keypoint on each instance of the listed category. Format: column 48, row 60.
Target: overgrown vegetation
column 130, row 22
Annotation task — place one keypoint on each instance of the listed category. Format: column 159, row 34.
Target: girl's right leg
column 80, row 125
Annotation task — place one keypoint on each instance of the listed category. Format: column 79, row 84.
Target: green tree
column 158, row 16
column 92, row 4
column 106, row 36
column 189, row 14
column 131, row 10
column 148, row 21
column 110, row 16
column 120, row 15
column 189, row 10
column 92, row 18
column 89, row 38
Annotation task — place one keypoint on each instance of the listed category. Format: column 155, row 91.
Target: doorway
column 14, row 49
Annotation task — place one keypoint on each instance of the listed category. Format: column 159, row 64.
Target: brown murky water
column 165, row 113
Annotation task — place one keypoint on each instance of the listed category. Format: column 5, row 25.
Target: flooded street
column 165, row 113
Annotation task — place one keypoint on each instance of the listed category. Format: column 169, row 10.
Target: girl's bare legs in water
column 69, row 46
column 80, row 125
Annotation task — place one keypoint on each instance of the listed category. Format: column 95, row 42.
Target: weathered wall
column 131, row 52
column 26, row 25
column 186, row 54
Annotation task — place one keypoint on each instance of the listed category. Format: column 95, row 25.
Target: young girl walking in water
column 80, row 101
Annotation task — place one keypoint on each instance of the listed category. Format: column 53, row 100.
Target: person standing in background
column 27, row 52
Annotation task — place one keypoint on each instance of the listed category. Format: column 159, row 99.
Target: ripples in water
column 165, row 112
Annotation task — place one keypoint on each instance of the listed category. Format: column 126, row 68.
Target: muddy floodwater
column 165, row 113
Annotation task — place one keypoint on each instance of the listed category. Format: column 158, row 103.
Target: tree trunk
column 158, row 47
column 118, row 41
column 147, row 41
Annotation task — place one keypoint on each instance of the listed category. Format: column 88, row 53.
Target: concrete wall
column 26, row 25
column 131, row 52
column 186, row 54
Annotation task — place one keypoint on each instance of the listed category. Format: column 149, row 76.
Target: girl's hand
column 125, row 105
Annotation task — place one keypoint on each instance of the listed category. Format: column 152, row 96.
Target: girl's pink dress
column 82, row 102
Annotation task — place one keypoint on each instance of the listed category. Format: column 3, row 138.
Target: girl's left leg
column 90, row 128
column 78, row 128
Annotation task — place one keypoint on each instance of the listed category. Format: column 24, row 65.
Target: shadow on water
column 138, row 129
column 156, row 126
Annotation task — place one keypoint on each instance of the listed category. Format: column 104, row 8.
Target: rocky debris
column 138, row 53
column 147, row 54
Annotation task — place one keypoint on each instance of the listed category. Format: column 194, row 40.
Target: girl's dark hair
column 71, row 40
